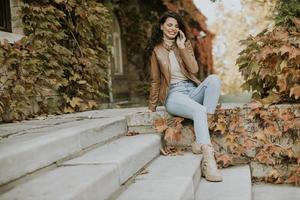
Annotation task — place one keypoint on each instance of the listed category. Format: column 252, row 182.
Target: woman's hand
column 181, row 40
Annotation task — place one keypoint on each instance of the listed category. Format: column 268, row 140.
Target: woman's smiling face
column 170, row 28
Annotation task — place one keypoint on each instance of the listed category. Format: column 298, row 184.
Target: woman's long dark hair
column 157, row 33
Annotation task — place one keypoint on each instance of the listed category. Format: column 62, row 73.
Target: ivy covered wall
column 61, row 65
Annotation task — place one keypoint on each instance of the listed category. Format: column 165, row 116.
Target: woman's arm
column 187, row 54
column 155, row 83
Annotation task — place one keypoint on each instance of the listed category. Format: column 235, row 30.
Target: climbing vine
column 268, row 137
column 270, row 63
column 64, row 53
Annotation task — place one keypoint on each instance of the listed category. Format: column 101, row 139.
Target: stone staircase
column 88, row 156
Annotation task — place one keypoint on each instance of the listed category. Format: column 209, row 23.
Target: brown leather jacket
column 160, row 71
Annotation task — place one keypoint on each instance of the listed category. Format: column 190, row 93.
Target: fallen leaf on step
column 171, row 151
column 132, row 133
column 145, row 171
column 224, row 160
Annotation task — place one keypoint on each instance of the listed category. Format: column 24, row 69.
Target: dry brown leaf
column 224, row 160
column 172, row 135
column 255, row 104
column 161, row 124
column 274, row 174
column 171, row 151
column 145, row 171
column 132, row 133
column 294, row 177
column 260, row 136
column 295, row 90
column 286, row 115
column 272, row 130
column 282, row 82
column 178, row 120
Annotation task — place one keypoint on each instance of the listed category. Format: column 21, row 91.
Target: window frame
column 5, row 20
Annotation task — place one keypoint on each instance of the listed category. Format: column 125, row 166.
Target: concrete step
column 129, row 154
column 275, row 192
column 26, row 153
column 168, row 177
column 95, row 175
column 236, row 185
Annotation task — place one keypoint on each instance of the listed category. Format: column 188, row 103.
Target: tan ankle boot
column 196, row 148
column 209, row 166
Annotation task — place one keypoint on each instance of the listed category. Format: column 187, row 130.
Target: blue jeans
column 187, row 100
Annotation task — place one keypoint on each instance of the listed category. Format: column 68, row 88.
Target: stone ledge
column 11, row 37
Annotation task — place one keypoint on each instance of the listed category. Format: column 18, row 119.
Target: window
column 5, row 19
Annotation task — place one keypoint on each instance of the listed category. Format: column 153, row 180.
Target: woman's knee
column 213, row 78
column 199, row 110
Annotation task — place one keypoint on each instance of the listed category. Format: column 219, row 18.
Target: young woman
column 173, row 83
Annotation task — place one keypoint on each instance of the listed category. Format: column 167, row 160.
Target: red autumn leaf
column 272, row 130
column 294, row 179
column 172, row 136
column 264, row 157
column 177, row 123
column 161, row 124
column 286, row 49
column 132, row 133
column 266, row 50
column 178, row 120
column 224, row 160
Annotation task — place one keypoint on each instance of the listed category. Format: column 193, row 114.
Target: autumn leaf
column 266, row 50
column 144, row 171
column 260, row 136
column 76, row 101
column 286, row 115
column 92, row 104
column 132, row 133
column 249, row 144
column 161, row 124
column 224, row 160
column 274, row 174
column 272, row 130
column 264, row 72
column 285, row 49
column 296, row 22
column 264, row 157
column 172, row 135
column 272, row 98
column 171, row 150
column 255, row 104
column 68, row 110
column 294, row 177
column 295, row 90
column 282, row 82
column 178, row 120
